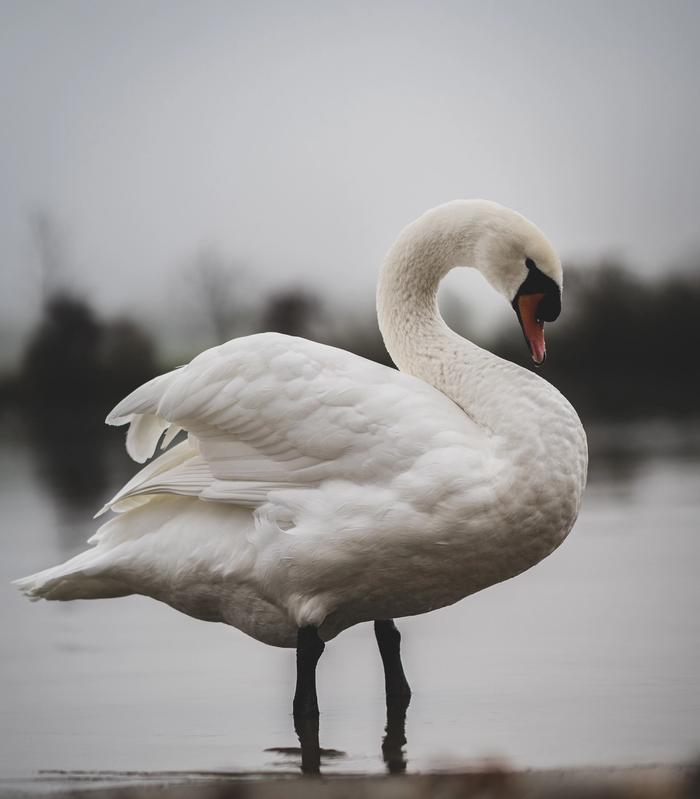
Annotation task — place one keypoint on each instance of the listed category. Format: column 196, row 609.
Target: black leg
column 389, row 641
column 395, row 738
column 306, row 728
column 309, row 650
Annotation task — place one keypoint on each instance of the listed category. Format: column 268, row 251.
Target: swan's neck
column 415, row 335
column 500, row 396
column 533, row 433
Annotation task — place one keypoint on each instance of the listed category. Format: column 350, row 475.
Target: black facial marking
column 537, row 282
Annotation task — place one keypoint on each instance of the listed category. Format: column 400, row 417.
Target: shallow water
column 592, row 657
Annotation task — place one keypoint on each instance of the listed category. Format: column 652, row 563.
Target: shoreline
column 493, row 781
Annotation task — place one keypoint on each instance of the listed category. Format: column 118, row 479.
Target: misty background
column 292, row 142
column 174, row 174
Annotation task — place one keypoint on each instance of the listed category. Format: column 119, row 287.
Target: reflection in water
column 395, row 738
column 620, row 453
column 70, row 449
column 312, row 755
column 79, row 461
column 307, row 730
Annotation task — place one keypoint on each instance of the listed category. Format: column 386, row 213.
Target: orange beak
column 533, row 328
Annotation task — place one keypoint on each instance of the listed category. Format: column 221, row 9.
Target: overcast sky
column 299, row 137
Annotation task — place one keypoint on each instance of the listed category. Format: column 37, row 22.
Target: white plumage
column 318, row 488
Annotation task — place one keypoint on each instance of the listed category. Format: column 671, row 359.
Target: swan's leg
column 389, row 641
column 309, row 650
column 395, row 738
column 307, row 729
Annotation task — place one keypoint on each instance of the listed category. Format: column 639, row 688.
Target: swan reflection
column 313, row 756
column 395, row 734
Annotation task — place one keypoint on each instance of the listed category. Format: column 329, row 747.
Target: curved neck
column 531, row 428
column 408, row 314
column 415, row 335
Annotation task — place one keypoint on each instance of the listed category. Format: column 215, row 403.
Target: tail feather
column 77, row 578
column 173, row 548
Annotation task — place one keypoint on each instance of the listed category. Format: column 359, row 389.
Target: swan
column 316, row 490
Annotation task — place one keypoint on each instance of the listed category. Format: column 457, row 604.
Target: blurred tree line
column 74, row 366
column 623, row 347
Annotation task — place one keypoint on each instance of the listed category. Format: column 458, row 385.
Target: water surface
column 592, row 657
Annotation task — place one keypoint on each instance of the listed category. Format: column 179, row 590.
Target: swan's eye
column 530, row 264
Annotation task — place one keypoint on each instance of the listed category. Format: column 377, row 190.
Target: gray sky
column 299, row 137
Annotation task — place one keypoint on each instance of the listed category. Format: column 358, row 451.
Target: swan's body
column 317, row 488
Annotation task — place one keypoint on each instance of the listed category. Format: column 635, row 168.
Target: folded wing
column 270, row 411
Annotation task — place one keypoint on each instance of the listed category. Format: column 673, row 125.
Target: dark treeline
column 73, row 357
column 75, row 367
column 623, row 348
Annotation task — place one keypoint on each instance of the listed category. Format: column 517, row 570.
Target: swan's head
column 514, row 256
column 521, row 264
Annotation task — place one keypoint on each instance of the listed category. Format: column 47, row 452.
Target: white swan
column 317, row 489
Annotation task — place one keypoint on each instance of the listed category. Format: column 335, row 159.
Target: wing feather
column 271, row 411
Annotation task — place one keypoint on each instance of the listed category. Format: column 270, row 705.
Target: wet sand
column 490, row 781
